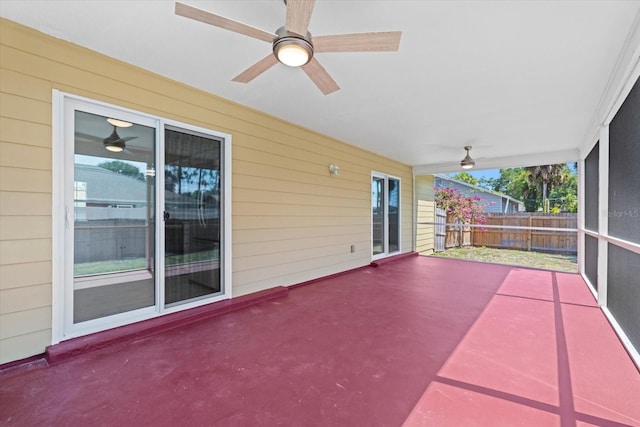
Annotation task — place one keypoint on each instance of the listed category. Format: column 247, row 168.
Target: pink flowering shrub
column 467, row 210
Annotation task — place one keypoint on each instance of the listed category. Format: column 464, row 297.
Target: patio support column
column 603, row 215
column 581, row 215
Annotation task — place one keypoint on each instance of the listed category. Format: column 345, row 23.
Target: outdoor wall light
column 334, row 169
column 467, row 162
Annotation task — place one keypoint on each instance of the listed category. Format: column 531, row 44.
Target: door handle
column 165, row 215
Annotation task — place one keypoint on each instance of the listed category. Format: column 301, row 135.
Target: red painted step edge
column 379, row 262
column 75, row 346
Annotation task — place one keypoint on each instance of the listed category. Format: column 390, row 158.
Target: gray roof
column 107, row 186
column 477, row 188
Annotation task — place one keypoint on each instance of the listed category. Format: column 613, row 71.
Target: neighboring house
column 97, row 186
column 494, row 201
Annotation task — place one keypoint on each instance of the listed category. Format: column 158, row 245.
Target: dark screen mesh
column 591, row 178
column 623, row 290
column 624, row 170
column 591, row 259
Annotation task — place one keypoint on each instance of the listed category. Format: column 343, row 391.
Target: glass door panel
column 385, row 215
column 378, row 215
column 394, row 215
column 114, row 223
column 192, row 216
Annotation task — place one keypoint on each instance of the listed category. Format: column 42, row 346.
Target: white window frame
column 385, row 253
column 62, row 217
column 602, row 234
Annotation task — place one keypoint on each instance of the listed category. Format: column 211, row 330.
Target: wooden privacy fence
column 542, row 232
column 440, row 228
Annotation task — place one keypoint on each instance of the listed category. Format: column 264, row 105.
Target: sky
column 488, row 173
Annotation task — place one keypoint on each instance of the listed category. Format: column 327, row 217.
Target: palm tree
column 543, row 176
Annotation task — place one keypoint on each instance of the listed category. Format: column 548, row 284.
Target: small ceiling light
column 292, row 49
column 467, row 162
column 119, row 123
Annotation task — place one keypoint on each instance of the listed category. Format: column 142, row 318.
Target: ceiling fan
column 293, row 44
column 113, row 142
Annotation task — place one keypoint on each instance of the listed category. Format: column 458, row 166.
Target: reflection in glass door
column 385, row 215
column 113, row 216
column 393, row 215
column 192, row 216
column 377, row 214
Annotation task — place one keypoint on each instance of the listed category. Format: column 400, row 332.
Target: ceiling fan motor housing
column 287, row 40
column 113, row 142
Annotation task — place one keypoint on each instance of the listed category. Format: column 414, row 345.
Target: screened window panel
column 624, row 172
column 623, row 290
column 591, row 179
column 591, row 259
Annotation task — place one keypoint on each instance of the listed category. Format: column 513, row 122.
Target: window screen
column 624, row 173
column 591, row 259
column 623, row 290
column 591, row 178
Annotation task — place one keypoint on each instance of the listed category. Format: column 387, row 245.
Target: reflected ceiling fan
column 113, row 142
column 293, row 44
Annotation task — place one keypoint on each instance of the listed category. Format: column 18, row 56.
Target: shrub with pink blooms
column 467, row 210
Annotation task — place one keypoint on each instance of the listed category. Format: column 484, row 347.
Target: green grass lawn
column 115, row 266
column 557, row 262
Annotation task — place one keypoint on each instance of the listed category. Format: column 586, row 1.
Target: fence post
column 530, row 235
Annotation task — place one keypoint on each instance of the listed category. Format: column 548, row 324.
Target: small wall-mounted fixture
column 467, row 162
column 334, row 169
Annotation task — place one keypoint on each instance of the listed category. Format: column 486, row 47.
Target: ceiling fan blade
column 299, row 16
column 89, row 137
column 222, row 22
column 358, row 42
column 256, row 69
column 127, row 138
column 320, row 77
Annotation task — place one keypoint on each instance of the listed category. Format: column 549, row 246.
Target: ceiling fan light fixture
column 116, row 146
column 113, row 142
column 291, row 49
column 467, row 162
column 119, row 123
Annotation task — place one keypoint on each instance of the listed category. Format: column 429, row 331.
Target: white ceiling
column 514, row 79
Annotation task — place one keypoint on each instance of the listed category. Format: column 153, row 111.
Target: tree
column 514, row 183
column 487, row 183
column 564, row 196
column 465, row 177
column 545, row 176
column 123, row 168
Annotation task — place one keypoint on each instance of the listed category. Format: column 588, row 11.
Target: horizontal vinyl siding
column 292, row 220
column 25, row 212
column 425, row 212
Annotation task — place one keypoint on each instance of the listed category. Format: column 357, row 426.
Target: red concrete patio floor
column 417, row 342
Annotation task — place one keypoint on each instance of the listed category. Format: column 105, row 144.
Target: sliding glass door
column 143, row 212
column 385, row 215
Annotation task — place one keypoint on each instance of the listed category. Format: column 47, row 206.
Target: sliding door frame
column 385, row 252
column 62, row 217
